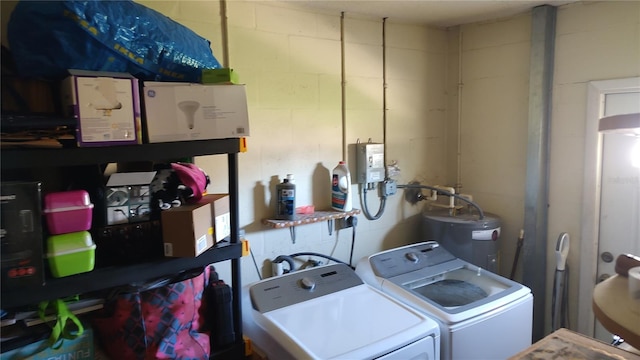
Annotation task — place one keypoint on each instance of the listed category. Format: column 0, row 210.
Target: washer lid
column 449, row 288
column 328, row 312
column 356, row 323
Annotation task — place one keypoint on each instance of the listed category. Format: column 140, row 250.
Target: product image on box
column 128, row 197
column 106, row 105
column 71, row 253
column 68, row 211
column 187, row 111
column 21, row 235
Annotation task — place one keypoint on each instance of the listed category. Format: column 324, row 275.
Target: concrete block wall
column 594, row 41
column 291, row 61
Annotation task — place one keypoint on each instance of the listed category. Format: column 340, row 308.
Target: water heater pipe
column 452, row 200
column 441, row 191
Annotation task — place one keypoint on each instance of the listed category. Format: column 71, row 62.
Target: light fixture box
column 106, row 106
column 189, row 230
column 127, row 197
column 189, row 111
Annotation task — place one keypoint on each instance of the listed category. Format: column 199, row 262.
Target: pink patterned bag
column 158, row 321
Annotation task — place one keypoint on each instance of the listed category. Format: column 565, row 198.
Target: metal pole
column 543, row 23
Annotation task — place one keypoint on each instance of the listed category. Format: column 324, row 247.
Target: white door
column 619, row 195
column 611, row 194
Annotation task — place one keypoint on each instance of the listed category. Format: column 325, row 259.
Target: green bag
column 66, row 326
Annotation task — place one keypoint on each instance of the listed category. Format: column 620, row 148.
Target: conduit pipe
column 384, row 93
column 224, row 33
column 458, row 184
column 343, row 84
column 363, row 194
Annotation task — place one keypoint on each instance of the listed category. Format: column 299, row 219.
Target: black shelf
column 108, row 277
column 17, row 160
column 30, row 158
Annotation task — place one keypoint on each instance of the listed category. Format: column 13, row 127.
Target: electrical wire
column 255, row 264
column 444, row 192
column 353, row 243
column 365, row 208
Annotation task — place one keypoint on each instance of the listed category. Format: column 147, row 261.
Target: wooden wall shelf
column 310, row 218
column 303, row 219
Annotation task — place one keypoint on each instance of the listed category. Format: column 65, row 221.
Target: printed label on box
column 201, row 244
column 168, row 249
column 223, row 226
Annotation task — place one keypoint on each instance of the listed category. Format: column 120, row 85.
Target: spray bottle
column 286, row 206
column 341, row 188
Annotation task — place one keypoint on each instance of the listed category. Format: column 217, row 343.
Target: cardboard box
column 128, row 197
column 21, row 260
column 221, row 216
column 106, row 106
column 189, row 230
column 79, row 348
column 220, row 76
column 185, row 111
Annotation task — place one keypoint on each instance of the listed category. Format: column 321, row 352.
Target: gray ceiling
column 439, row 13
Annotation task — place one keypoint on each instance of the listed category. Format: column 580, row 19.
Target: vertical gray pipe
column 224, row 29
column 543, row 24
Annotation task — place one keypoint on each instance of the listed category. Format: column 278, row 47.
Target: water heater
column 464, row 235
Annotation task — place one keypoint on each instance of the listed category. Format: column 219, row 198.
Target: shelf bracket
column 292, row 231
column 330, row 224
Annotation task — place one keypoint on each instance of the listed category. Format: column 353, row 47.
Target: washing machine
column 481, row 315
column 328, row 312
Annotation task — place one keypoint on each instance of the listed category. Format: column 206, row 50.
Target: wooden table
column 568, row 345
column 616, row 311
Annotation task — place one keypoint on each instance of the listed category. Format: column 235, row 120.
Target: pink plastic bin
column 68, row 211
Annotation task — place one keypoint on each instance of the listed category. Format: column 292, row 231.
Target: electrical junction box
column 370, row 163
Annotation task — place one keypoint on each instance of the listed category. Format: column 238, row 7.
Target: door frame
column 590, row 227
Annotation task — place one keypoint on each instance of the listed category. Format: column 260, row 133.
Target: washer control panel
column 296, row 287
column 409, row 258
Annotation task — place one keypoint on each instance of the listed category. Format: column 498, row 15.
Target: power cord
column 352, row 221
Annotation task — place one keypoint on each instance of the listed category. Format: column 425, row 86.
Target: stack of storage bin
column 70, row 248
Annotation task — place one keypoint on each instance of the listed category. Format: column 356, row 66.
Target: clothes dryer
column 328, row 312
column 481, row 314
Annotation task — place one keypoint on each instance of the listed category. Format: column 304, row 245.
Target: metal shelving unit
column 107, row 277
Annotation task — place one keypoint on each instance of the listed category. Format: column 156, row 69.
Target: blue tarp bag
column 48, row 37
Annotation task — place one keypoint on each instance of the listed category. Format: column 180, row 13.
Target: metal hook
column 292, row 231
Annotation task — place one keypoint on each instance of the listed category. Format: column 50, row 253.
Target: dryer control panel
column 299, row 286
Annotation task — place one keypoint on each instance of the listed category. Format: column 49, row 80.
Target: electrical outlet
column 342, row 223
column 389, row 187
column 347, row 222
